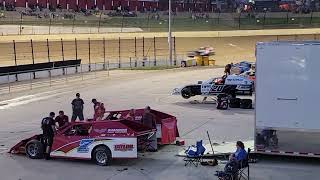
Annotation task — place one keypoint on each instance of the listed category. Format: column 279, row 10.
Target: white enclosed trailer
column 287, row 108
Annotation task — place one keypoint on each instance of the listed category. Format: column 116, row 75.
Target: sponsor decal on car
column 123, row 147
column 100, row 131
column 235, row 79
column 243, row 87
column 84, row 145
column 117, row 131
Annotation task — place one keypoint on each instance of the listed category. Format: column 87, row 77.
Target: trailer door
column 279, row 85
column 287, row 94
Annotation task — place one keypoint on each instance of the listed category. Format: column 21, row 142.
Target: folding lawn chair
column 146, row 143
column 244, row 169
column 194, row 154
column 226, row 176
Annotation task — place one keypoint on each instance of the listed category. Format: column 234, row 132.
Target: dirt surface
column 230, row 46
column 23, row 112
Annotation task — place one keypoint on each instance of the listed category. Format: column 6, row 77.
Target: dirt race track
column 230, row 46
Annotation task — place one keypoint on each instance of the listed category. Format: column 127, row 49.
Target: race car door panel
column 74, row 142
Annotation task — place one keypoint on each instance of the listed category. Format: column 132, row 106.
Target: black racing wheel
column 186, row 93
column 102, row 156
column 34, row 149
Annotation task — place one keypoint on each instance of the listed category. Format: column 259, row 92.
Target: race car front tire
column 102, row 156
column 34, row 149
column 186, row 93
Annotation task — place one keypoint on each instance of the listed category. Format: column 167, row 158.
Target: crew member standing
column 149, row 120
column 97, row 109
column 77, row 108
column 62, row 120
column 48, row 128
column 227, row 70
column 131, row 115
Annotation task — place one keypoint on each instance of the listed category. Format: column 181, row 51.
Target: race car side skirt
column 65, row 157
column 82, row 158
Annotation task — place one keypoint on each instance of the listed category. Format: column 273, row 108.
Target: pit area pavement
column 136, row 89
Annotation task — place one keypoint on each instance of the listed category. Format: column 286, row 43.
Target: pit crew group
column 51, row 123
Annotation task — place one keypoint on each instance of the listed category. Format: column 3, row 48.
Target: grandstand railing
column 149, row 22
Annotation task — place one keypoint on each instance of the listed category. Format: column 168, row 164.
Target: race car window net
column 79, row 130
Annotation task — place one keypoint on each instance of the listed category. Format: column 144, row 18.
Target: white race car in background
column 232, row 85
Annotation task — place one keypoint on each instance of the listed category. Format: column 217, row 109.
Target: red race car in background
column 101, row 141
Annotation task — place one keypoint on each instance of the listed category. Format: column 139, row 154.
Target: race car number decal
column 84, row 145
column 217, row 88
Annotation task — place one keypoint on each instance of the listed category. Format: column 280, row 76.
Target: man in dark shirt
column 149, row 120
column 77, row 108
column 48, row 129
column 62, row 120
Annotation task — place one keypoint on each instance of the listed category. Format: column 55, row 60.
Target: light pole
column 170, row 35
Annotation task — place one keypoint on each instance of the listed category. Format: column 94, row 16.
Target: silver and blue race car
column 231, row 85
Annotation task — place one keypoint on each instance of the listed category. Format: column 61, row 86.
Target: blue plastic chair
column 194, row 157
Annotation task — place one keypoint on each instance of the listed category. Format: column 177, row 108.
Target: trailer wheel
column 186, row 93
column 34, row 149
column 102, row 156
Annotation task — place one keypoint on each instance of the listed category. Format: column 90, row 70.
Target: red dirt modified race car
column 101, row 141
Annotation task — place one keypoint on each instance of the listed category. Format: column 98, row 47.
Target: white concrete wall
column 42, row 74
column 25, row 76
column 99, row 67
column 70, row 70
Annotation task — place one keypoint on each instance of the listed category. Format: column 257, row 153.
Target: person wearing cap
column 77, row 108
column 48, row 130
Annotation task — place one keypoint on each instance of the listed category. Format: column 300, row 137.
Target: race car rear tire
column 234, row 103
column 34, row 149
column 186, row 93
column 246, row 104
column 102, row 156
